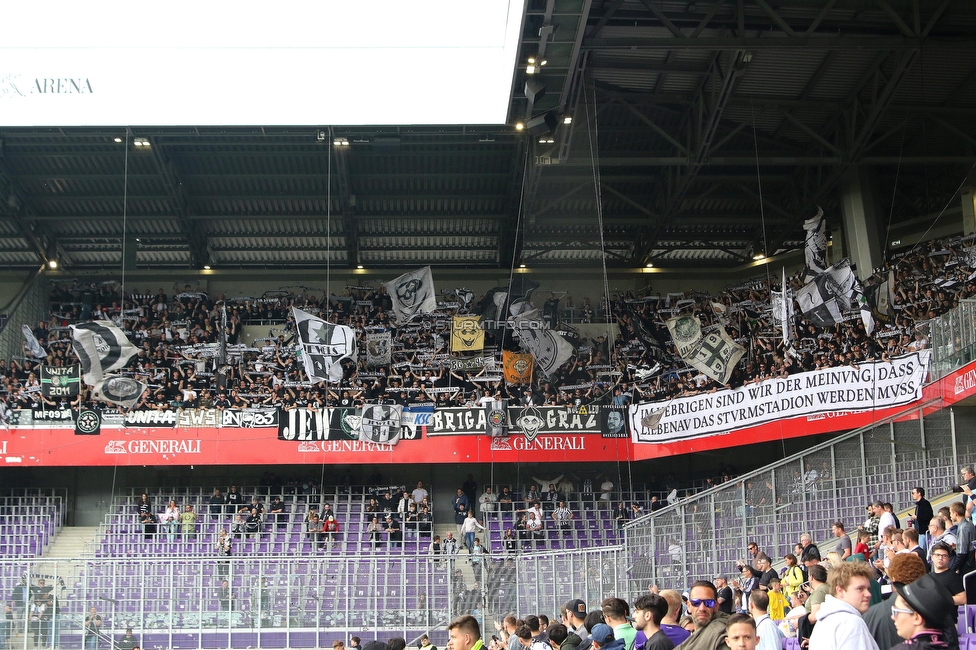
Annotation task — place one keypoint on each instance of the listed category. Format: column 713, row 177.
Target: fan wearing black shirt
column 724, row 596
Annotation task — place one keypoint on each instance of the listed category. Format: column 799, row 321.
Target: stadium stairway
column 72, row 542
column 462, row 562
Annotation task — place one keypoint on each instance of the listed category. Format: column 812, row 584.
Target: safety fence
column 953, row 339
column 287, row 602
column 703, row 536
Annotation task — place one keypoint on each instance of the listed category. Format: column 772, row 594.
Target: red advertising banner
column 316, row 436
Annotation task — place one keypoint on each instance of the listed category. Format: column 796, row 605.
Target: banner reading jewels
column 874, row 385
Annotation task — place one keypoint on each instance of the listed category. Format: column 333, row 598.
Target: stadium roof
column 682, row 114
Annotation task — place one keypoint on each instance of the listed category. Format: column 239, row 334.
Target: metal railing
column 289, row 602
column 953, row 339
column 703, row 536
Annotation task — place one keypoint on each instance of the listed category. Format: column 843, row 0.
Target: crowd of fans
column 895, row 585
column 179, row 337
column 917, row 614
column 889, row 583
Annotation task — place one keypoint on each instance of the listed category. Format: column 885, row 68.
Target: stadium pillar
column 969, row 210
column 131, row 248
column 862, row 234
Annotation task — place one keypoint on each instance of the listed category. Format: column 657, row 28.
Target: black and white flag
column 412, row 294
column 782, row 303
column 379, row 349
column 102, row 348
column 549, row 349
column 323, row 345
column 815, row 245
column 118, row 390
column 715, row 354
column 222, row 353
column 825, row 299
column 501, row 303
column 33, row 345
column 380, row 423
column 686, row 334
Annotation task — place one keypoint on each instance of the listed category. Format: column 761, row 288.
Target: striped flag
column 102, row 348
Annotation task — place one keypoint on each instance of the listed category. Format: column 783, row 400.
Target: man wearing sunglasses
column 710, row 624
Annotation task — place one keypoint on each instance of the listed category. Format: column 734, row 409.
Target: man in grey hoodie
column 839, row 623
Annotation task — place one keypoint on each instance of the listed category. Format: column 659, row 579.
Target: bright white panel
column 378, row 62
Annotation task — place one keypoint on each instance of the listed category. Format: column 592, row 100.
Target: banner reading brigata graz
column 530, row 421
column 867, row 386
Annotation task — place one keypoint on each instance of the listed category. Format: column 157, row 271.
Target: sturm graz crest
column 381, row 424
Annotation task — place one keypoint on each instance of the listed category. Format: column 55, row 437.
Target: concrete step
column 71, row 542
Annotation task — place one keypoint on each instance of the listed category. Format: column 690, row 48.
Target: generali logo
column 965, row 382
column 153, row 447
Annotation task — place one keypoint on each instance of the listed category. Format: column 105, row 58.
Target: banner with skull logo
column 412, row 294
column 467, row 335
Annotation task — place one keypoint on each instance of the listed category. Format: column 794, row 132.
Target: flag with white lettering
column 549, row 349
column 32, row 344
column 815, row 245
column 379, row 349
column 412, row 294
column 466, row 334
column 380, row 423
column 121, row 391
column 323, row 345
column 60, row 381
column 102, row 348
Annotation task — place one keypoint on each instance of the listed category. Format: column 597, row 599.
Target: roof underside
column 700, row 135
